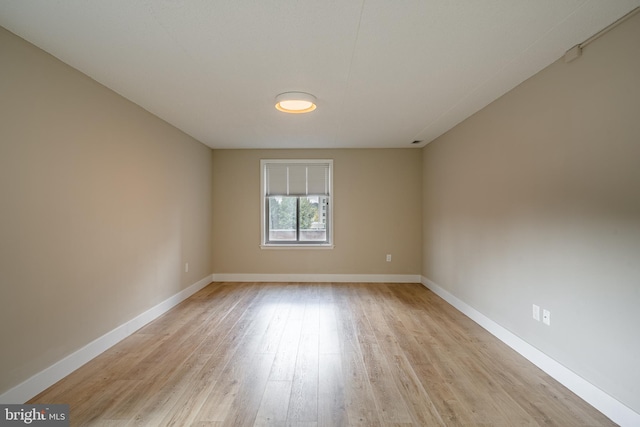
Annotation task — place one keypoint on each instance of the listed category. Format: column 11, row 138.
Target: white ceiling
column 385, row 73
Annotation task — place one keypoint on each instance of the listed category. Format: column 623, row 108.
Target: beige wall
column 377, row 211
column 536, row 199
column 101, row 205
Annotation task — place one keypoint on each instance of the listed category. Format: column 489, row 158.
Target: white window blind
column 297, row 179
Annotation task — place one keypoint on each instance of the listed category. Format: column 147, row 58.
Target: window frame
column 264, row 213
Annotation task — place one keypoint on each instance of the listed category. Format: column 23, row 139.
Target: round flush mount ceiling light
column 295, row 102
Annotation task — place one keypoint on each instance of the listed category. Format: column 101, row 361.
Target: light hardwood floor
column 242, row 354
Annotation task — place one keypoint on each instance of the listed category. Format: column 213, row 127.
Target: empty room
column 306, row 213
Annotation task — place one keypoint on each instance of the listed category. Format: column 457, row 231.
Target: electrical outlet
column 186, row 267
column 388, row 257
column 546, row 317
column 536, row 312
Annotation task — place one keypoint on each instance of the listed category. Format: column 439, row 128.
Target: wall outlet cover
column 536, row 312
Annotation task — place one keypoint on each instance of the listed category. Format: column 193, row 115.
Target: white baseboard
column 54, row 373
column 316, row 278
column 612, row 408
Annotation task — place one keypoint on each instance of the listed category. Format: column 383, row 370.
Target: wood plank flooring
column 307, row 355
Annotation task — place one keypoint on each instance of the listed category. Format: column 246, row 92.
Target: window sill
column 296, row 247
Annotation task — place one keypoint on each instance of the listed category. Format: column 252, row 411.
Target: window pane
column 313, row 219
column 282, row 218
column 295, row 204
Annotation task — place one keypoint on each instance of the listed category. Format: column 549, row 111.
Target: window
column 296, row 203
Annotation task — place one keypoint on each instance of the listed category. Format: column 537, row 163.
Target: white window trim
column 306, row 246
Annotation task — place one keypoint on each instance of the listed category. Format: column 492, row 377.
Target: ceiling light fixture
column 295, row 102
